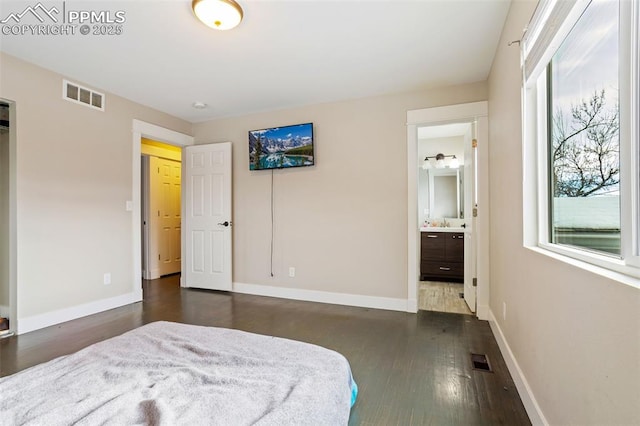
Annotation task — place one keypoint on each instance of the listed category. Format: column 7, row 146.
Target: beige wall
column 575, row 335
column 73, row 178
column 343, row 222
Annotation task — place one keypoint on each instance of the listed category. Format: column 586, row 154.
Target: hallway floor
column 442, row 297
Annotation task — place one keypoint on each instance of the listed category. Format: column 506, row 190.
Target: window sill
column 608, row 268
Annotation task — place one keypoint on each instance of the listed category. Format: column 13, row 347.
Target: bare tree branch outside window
column 585, row 148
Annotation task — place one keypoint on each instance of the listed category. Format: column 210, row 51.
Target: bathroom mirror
column 446, row 198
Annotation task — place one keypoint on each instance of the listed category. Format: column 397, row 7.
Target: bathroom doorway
column 445, row 204
column 448, row 208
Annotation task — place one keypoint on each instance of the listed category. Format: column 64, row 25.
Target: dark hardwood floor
column 410, row 368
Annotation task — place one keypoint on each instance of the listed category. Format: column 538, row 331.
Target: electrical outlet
column 107, row 279
column 504, row 311
column 292, row 271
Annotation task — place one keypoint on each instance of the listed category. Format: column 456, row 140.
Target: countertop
column 440, row 229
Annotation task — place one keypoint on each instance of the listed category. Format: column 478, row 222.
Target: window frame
column 550, row 25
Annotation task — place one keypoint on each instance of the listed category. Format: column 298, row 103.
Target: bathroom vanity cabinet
column 442, row 256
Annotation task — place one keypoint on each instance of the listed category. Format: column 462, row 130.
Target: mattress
column 168, row 373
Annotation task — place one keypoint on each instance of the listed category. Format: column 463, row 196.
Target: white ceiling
column 283, row 54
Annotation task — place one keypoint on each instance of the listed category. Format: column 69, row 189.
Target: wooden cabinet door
column 454, row 247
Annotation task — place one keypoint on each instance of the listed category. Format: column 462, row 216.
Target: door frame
column 12, row 260
column 142, row 129
column 144, row 206
column 151, row 235
column 469, row 112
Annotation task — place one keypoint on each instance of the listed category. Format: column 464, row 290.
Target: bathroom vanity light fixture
column 440, row 164
column 218, row 14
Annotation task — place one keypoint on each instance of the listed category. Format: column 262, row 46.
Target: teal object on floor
column 354, row 391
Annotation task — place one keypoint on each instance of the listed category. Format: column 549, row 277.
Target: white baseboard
column 526, row 395
column 387, row 303
column 153, row 274
column 412, row 306
column 483, row 312
column 37, row 322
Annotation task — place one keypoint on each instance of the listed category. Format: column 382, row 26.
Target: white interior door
column 169, row 214
column 164, row 214
column 469, row 220
column 207, row 216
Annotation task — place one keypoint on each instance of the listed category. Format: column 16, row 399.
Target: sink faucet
column 445, row 224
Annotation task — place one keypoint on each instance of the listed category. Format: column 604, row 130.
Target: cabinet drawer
column 432, row 245
column 442, row 269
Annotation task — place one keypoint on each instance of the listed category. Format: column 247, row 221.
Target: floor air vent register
column 481, row 362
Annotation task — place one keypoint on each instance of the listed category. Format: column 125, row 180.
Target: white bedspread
column 170, row 374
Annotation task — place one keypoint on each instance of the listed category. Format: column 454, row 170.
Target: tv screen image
column 281, row 147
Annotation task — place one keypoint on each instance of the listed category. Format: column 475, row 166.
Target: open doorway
column 472, row 221
column 161, row 180
column 143, row 130
column 445, row 196
column 8, row 282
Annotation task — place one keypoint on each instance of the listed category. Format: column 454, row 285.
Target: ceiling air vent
column 81, row 95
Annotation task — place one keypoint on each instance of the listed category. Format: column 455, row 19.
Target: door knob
column 225, row 223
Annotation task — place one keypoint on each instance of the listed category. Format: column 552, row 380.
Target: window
column 583, row 140
column 581, row 148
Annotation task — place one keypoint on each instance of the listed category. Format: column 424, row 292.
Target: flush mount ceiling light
column 199, row 105
column 218, row 14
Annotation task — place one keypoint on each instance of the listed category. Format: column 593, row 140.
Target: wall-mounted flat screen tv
column 281, row 147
